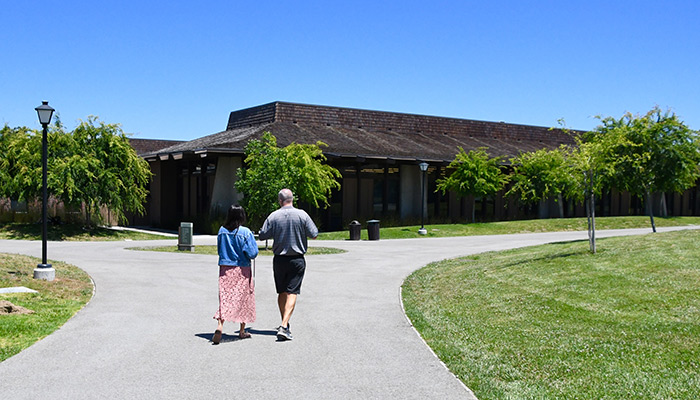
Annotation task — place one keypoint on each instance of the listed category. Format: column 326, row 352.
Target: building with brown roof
column 377, row 153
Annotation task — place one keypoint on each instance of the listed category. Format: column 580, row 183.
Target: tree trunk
column 561, row 206
column 588, row 216
column 650, row 210
column 591, row 212
column 473, row 210
column 542, row 211
column 663, row 208
column 593, row 250
column 87, row 214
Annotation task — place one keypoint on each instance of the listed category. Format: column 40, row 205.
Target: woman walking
column 237, row 247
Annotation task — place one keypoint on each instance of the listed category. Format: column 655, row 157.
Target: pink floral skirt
column 236, row 295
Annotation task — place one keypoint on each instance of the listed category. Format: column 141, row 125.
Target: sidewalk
column 146, row 333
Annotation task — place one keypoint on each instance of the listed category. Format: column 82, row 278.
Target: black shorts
column 289, row 272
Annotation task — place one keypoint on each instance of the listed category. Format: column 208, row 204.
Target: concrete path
column 146, row 333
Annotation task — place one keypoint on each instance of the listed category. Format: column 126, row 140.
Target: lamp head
column 423, row 166
column 45, row 113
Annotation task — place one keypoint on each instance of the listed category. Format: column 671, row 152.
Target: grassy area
column 556, row 322
column 55, row 303
column 527, row 226
column 70, row 232
column 211, row 250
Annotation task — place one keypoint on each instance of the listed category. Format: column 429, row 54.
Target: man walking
column 288, row 227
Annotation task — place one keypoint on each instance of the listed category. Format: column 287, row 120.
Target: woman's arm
column 250, row 246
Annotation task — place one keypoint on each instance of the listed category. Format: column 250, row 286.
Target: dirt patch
column 8, row 308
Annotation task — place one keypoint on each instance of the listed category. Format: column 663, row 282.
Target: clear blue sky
column 175, row 69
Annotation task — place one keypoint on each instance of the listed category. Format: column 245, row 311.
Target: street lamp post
column 44, row 270
column 423, row 167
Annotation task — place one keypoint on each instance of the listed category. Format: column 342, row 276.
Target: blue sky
column 174, row 70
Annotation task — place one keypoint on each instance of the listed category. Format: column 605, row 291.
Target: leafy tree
column 20, row 163
column 587, row 168
column 263, row 177
column 270, row 168
column 542, row 174
column 310, row 179
column 652, row 153
column 590, row 173
column 473, row 173
column 94, row 166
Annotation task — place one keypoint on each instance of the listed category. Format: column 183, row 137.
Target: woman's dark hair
column 235, row 217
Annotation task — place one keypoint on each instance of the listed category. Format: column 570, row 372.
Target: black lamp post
column 44, row 270
column 423, row 167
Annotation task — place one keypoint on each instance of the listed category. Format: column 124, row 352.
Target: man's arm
column 311, row 229
column 266, row 230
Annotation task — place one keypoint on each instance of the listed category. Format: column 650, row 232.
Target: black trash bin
column 355, row 230
column 373, row 229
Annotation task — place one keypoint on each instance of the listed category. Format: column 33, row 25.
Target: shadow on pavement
column 234, row 337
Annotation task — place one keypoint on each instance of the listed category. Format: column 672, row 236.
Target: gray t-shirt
column 288, row 227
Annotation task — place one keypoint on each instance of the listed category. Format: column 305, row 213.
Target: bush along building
column 378, row 154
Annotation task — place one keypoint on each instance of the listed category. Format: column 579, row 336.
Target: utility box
column 373, row 229
column 355, row 230
column 184, row 237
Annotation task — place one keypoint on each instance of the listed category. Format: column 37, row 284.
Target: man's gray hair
column 285, row 195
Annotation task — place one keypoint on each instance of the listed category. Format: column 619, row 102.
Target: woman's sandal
column 217, row 337
column 244, row 335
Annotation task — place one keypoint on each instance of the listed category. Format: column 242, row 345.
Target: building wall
column 177, row 192
column 410, row 181
column 348, row 190
column 224, row 193
column 154, row 206
column 169, row 214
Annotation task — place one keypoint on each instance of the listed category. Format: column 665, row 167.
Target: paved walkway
column 146, row 333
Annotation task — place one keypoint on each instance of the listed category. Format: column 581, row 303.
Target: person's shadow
column 234, row 337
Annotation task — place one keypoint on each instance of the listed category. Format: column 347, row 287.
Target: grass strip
column 211, row 250
column 71, row 232
column 556, row 322
column 54, row 304
column 508, row 227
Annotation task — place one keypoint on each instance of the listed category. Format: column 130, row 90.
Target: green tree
column 475, row 174
column 653, row 153
column 541, row 175
column 590, row 172
column 311, row 179
column 269, row 168
column 262, row 178
column 96, row 166
column 20, row 163
column 587, row 169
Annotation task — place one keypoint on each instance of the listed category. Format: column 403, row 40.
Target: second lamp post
column 423, row 167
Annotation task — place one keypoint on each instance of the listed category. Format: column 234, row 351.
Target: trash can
column 373, row 229
column 355, row 229
column 184, row 237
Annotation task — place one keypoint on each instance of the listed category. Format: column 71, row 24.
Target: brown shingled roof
column 369, row 133
column 146, row 146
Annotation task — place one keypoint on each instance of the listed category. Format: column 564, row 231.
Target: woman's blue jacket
column 236, row 247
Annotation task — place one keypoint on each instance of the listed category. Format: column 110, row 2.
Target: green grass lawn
column 556, row 322
column 70, row 232
column 55, row 303
column 211, row 250
column 526, row 226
